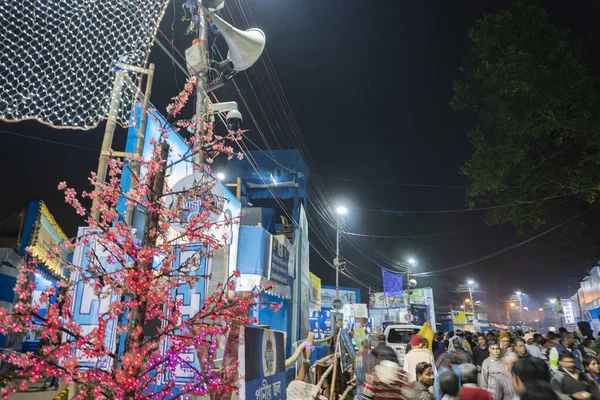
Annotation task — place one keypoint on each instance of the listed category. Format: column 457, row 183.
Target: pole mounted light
column 341, row 210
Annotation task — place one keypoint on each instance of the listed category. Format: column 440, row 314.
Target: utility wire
column 414, row 236
column 520, row 203
column 426, row 185
column 75, row 146
column 429, row 273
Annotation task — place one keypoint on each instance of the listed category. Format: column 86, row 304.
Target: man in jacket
column 563, row 346
column 480, row 352
column 494, row 375
column 418, row 353
column 570, row 381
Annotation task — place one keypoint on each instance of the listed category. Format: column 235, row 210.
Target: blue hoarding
column 264, row 364
column 280, row 259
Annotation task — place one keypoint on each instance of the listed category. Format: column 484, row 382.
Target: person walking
column 562, row 346
column 504, row 341
column 470, row 390
column 439, row 346
column 464, row 342
column 421, row 387
column 519, row 348
column 531, row 347
column 387, row 380
column 417, row 354
column 494, row 375
column 592, row 368
column 531, row 380
column 382, row 348
column 480, row 352
column 365, row 364
column 570, row 381
column 449, row 385
column 589, row 348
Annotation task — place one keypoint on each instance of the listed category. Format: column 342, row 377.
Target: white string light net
column 57, row 57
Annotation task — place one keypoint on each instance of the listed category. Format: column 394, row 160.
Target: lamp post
column 341, row 210
column 519, row 294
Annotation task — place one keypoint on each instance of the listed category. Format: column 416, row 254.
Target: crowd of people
column 483, row 366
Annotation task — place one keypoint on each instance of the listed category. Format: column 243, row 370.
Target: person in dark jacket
column 382, row 349
column 481, row 351
column 423, row 383
column 570, row 381
column 531, row 380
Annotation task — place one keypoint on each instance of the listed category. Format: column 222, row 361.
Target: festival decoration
column 135, row 284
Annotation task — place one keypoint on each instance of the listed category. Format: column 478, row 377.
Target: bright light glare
column 540, row 309
column 519, row 293
column 463, row 307
column 221, row 176
column 467, row 300
column 412, row 261
column 470, row 282
column 552, row 301
column 341, row 210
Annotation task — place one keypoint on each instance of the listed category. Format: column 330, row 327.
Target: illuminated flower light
column 121, row 266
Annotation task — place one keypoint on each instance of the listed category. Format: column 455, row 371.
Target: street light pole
column 519, row 297
column 470, row 283
column 336, row 262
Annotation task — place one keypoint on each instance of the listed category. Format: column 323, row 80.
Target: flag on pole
column 392, row 283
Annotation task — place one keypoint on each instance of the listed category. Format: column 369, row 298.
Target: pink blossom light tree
column 145, row 289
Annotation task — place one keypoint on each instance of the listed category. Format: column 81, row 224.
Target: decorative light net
column 57, row 57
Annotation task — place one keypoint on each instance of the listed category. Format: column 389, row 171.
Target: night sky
column 369, row 85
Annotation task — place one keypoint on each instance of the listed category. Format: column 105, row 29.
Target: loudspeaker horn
column 245, row 47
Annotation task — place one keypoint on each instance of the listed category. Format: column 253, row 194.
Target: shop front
column 42, row 236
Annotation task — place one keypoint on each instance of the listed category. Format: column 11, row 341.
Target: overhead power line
column 429, row 185
column 462, row 210
column 75, row 146
column 414, row 236
column 499, row 252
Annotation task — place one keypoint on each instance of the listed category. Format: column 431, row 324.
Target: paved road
column 34, row 393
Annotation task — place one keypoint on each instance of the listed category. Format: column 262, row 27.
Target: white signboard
column 568, row 312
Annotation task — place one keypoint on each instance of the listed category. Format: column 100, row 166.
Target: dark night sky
column 369, row 85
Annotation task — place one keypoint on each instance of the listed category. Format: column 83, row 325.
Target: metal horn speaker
column 245, row 47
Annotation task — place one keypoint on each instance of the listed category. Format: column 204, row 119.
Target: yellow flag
column 428, row 334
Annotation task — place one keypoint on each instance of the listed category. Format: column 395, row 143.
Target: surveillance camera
column 234, row 120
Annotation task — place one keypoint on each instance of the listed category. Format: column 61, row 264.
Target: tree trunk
column 137, row 316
